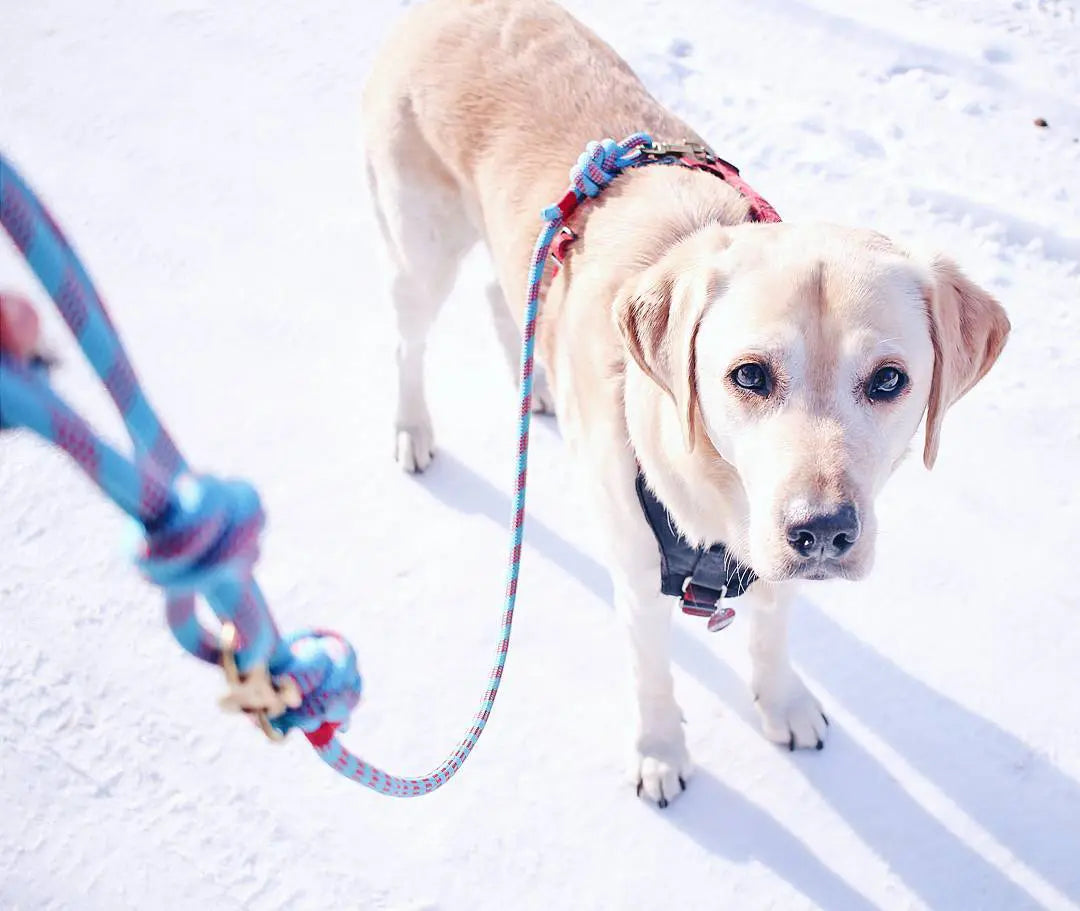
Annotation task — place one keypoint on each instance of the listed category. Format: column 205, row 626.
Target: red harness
column 688, row 155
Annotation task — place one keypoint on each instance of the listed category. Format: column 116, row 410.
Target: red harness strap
column 688, row 155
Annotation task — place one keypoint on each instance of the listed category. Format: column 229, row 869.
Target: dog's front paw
column 662, row 768
column 414, row 447
column 790, row 713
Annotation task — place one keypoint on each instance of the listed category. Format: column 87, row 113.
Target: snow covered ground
column 204, row 157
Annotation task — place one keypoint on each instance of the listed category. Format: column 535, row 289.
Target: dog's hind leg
column 426, row 231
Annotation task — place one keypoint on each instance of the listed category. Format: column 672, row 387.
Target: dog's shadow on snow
column 1020, row 798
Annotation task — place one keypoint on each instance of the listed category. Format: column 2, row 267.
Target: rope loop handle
column 201, row 533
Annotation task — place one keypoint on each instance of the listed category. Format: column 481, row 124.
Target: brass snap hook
column 249, row 693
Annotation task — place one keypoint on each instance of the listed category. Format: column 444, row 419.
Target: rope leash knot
column 208, row 534
column 201, row 533
column 596, row 167
column 208, row 542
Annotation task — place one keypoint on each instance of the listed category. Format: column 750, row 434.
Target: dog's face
column 806, row 356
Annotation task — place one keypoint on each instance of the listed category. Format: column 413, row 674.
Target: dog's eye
column 752, row 377
column 886, row 384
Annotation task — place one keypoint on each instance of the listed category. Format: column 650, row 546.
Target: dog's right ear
column 658, row 314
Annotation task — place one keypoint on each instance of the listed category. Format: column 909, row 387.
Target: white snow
column 204, row 158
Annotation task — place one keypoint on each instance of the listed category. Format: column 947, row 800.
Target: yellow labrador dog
column 766, row 379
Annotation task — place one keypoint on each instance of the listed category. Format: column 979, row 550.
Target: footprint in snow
column 680, row 48
column 678, row 51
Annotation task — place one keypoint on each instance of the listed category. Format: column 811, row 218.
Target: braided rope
column 202, row 533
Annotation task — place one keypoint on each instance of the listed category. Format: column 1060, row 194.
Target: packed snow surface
column 205, row 159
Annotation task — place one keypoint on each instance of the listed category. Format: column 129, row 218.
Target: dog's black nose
column 826, row 534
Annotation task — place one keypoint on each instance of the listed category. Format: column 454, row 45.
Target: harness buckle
column 255, row 694
column 685, row 149
column 716, row 615
column 689, row 580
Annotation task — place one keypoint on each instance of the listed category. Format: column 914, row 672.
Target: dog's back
column 499, row 97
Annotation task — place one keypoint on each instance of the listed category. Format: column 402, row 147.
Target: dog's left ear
column 968, row 329
column 658, row 314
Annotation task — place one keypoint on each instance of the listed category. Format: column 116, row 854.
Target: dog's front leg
column 790, row 713
column 660, row 761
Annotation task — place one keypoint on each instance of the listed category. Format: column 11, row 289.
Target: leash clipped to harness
column 594, row 170
column 201, row 532
column 702, row 578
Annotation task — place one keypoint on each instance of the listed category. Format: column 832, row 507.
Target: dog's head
column 805, row 357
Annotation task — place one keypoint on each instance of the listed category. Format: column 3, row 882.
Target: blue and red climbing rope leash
column 201, row 532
